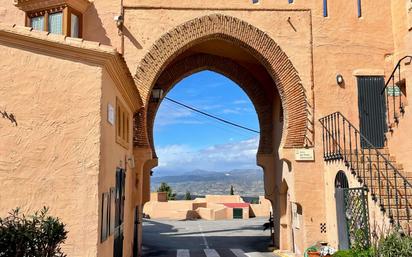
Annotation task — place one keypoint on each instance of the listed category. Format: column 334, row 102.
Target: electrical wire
column 211, row 115
column 203, row 119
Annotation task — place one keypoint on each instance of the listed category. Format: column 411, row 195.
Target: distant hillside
column 201, row 182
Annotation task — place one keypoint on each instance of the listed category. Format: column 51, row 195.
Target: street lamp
column 339, row 79
column 157, row 94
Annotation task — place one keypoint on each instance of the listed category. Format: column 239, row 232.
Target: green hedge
column 37, row 235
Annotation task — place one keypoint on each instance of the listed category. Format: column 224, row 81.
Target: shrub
column 395, row 245
column 364, row 253
column 38, row 235
column 355, row 253
column 343, row 253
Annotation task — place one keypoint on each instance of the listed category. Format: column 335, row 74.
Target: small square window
column 74, row 28
column 56, row 23
column 37, row 23
column 62, row 20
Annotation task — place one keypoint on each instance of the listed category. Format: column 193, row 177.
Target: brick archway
column 245, row 36
column 262, row 102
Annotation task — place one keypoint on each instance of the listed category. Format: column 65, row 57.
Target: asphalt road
column 201, row 238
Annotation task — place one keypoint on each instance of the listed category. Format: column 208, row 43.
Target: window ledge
column 368, row 72
column 33, row 5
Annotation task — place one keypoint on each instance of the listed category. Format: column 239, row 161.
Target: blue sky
column 187, row 141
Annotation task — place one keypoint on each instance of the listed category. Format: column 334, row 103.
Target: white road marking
column 204, row 238
column 211, row 253
column 259, row 254
column 183, row 253
column 239, row 252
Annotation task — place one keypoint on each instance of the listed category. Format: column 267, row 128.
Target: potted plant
column 326, row 251
column 312, row 251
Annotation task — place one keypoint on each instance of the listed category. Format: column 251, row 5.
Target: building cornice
column 75, row 49
column 34, row 5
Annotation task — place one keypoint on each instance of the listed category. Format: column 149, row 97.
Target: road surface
column 201, row 238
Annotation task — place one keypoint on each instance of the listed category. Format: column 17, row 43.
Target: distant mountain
column 202, row 182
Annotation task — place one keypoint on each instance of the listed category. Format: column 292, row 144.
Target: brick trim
column 248, row 37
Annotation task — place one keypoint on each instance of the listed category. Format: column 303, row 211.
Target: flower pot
column 313, row 254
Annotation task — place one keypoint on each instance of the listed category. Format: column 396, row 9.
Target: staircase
column 386, row 180
column 395, row 100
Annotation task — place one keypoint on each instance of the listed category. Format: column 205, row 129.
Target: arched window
column 341, row 181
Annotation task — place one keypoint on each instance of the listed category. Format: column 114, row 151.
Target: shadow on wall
column 156, row 231
column 94, row 30
column 132, row 39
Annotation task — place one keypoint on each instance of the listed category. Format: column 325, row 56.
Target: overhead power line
column 211, row 115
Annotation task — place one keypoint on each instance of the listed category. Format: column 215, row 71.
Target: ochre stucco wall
column 53, row 153
column 399, row 147
column 113, row 155
column 318, row 47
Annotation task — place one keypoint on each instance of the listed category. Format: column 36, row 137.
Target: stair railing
column 342, row 141
column 395, row 105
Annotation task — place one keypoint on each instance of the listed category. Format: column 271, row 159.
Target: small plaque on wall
column 110, row 114
column 304, row 155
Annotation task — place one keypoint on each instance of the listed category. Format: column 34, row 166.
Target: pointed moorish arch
column 241, row 76
column 243, row 35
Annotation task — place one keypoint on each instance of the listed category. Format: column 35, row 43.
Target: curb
column 284, row 253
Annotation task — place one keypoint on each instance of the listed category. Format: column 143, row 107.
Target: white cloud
column 224, row 157
column 230, row 111
column 170, row 115
column 241, row 102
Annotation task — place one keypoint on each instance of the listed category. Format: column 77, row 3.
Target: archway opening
column 253, row 61
column 186, row 140
column 208, row 160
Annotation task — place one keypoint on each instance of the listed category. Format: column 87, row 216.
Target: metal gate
column 357, row 217
column 341, row 183
column 119, row 213
column 136, row 232
column 372, row 110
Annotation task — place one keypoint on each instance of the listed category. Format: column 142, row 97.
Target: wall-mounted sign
column 393, row 91
column 304, row 155
column 110, row 114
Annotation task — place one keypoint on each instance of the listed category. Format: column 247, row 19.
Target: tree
column 188, row 196
column 232, row 192
column 254, row 201
column 164, row 187
column 37, row 235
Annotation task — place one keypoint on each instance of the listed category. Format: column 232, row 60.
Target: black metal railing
column 394, row 95
column 373, row 168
